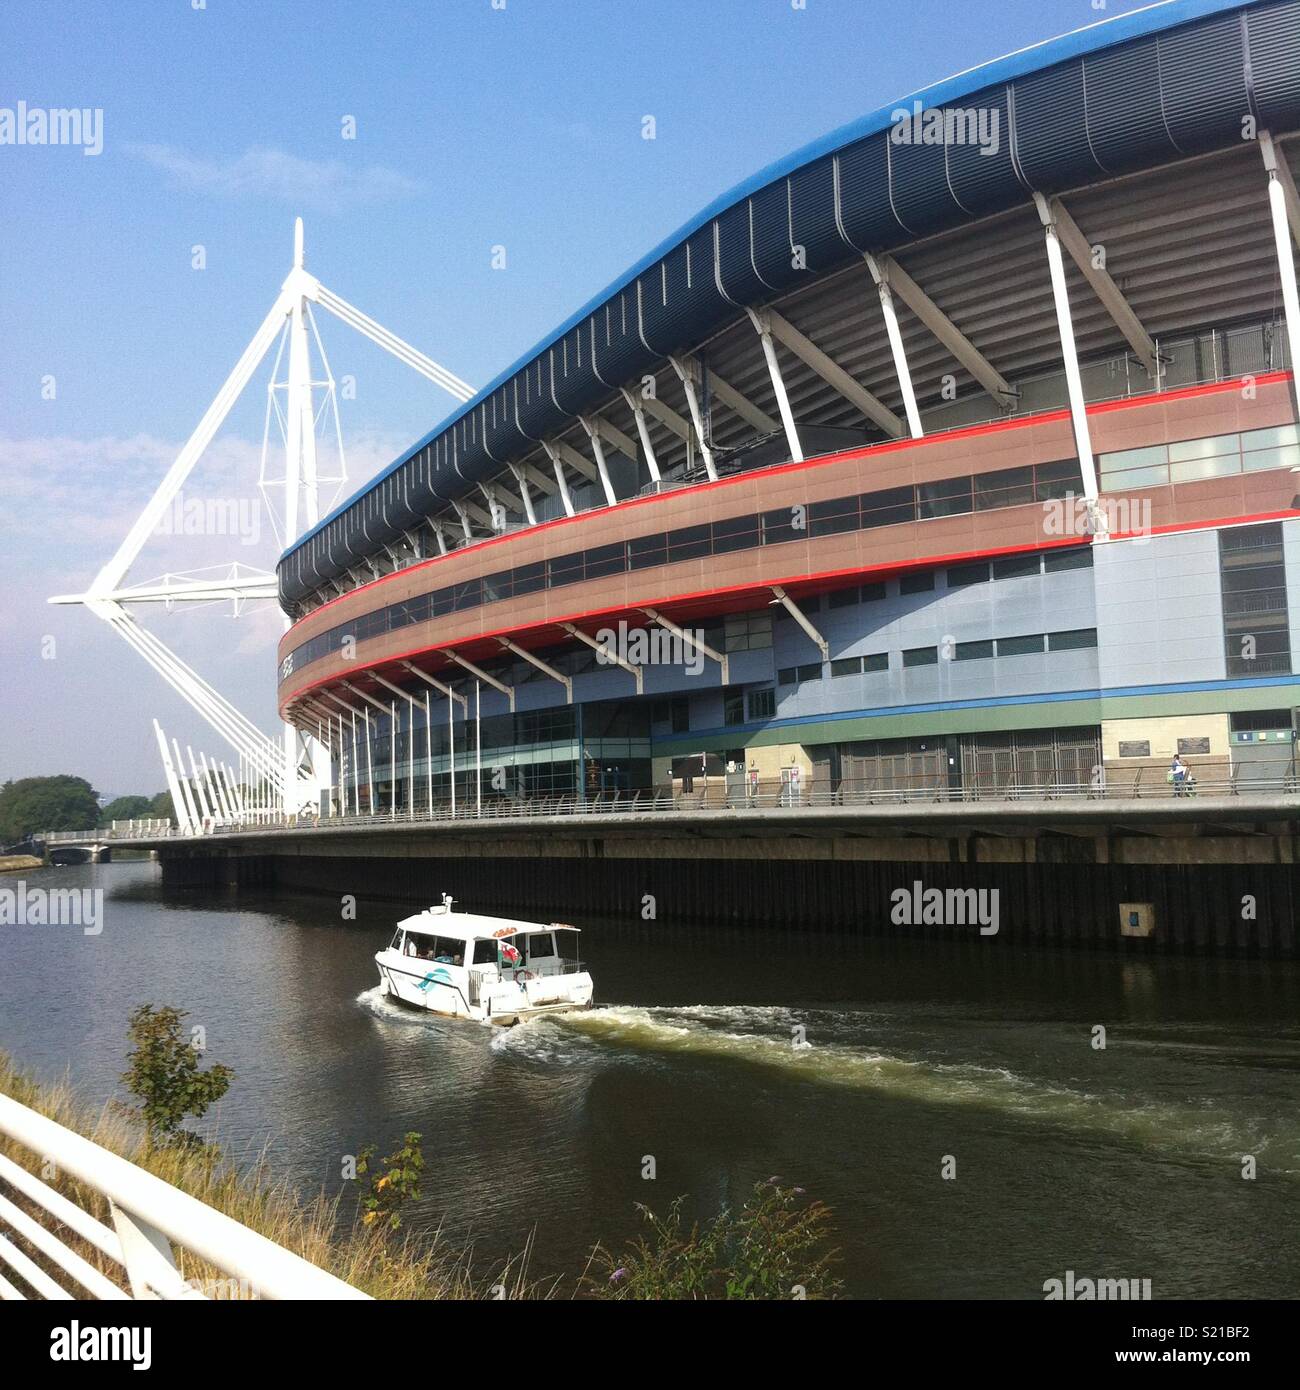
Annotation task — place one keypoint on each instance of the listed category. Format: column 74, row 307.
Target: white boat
column 492, row 969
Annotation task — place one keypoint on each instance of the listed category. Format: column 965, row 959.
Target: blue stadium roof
column 1092, row 39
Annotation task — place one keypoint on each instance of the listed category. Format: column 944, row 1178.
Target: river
column 1124, row 1161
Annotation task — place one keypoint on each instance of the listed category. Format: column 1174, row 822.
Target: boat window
column 485, row 952
column 542, row 944
column 447, row 950
column 396, row 943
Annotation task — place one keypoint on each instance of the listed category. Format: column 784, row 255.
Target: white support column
column 688, row 639
column 392, row 761
column 461, row 511
column 947, row 332
column 763, row 329
column 643, row 433
column 183, row 821
column 542, row 666
column 697, row 418
column 1282, row 233
column 1074, row 382
column 1104, row 287
column 799, row 616
column 598, row 449
column 439, row 536
column 214, row 786
column 554, row 455
column 410, row 737
column 200, row 791
column 634, row 671
column 525, row 494
column 903, row 372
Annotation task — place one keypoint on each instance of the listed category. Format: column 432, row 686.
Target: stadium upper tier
column 889, row 281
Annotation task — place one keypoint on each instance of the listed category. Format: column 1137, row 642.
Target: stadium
column 957, row 450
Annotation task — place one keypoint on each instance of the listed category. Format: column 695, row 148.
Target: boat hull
column 454, row 992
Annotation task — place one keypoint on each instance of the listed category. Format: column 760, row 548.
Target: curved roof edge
column 1091, row 38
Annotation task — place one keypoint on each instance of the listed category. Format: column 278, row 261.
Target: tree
column 35, row 804
column 161, row 808
column 166, row 1078
column 126, row 808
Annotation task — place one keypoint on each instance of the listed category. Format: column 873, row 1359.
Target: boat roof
column 473, row 926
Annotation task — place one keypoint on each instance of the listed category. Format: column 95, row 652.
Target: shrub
column 773, row 1247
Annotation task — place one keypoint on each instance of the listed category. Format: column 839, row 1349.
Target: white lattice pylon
column 299, row 767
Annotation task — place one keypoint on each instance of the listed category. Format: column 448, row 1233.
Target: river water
column 1121, row 1162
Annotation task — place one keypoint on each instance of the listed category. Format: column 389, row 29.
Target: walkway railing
column 149, row 1217
column 1241, row 782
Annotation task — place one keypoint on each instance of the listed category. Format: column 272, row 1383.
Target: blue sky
column 475, row 127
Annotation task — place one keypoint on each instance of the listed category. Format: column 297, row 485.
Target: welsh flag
column 510, row 954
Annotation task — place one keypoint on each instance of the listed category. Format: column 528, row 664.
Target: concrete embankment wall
column 1233, row 895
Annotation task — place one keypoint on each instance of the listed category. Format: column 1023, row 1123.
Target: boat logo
column 434, row 977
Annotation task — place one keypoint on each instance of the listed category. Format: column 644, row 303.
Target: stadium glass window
column 1021, row 646
column 645, row 552
column 468, row 595
column 498, row 586
column 1133, row 468
column 1254, row 720
column 877, row 661
column 888, row 507
column 441, row 602
column 762, row 703
column 842, row 598
column 846, row 666
column 788, row 675
column 779, row 526
column 1072, row 641
column 1215, row 446
column 949, row 497
column 833, row 516
column 529, row 578
column 921, row 656
column 1272, row 448
column 680, row 715
column 1011, row 487
column 563, row 569
column 921, row 583
column 689, row 543
column 605, row 559
column 1016, row 566
column 962, row 576
column 733, row 706
column 974, row 651
column 1058, row 479
column 1077, row 557
column 735, row 533
column 747, row 632
column 797, row 675
column 870, row 593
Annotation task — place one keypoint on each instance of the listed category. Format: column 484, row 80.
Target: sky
column 413, row 137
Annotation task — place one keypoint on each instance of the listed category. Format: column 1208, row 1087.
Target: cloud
column 324, row 185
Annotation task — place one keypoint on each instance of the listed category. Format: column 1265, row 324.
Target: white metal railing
column 1242, row 782
column 149, row 1217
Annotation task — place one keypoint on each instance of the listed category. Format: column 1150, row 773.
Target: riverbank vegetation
column 775, row 1246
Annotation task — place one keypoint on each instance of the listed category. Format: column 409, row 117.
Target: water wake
column 766, row 1038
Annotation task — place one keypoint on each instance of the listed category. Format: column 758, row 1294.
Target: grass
column 773, row 1247
column 318, row 1229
